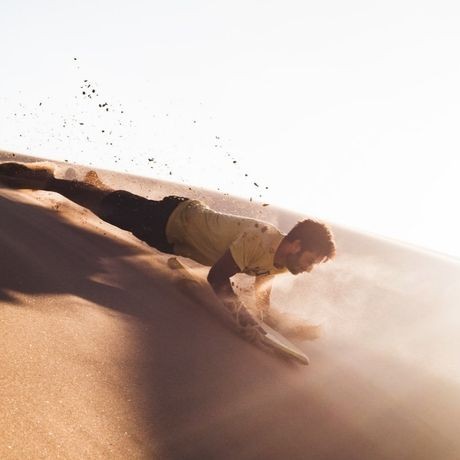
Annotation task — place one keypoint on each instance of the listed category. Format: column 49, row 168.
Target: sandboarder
column 229, row 244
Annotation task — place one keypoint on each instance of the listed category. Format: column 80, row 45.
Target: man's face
column 302, row 261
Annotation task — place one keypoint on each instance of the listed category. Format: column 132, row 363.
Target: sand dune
column 103, row 358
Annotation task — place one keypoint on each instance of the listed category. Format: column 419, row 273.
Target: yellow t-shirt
column 202, row 234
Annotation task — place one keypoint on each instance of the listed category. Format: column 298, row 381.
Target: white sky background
column 347, row 111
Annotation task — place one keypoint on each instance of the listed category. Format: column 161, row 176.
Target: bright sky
column 347, row 111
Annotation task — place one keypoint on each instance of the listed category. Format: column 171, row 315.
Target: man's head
column 307, row 244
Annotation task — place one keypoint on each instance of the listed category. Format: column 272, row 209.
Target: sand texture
column 103, row 357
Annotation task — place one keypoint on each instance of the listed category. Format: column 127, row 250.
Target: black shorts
column 145, row 219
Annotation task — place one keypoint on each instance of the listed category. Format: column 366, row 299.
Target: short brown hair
column 314, row 236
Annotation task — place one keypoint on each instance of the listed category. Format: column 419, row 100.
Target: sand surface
column 102, row 357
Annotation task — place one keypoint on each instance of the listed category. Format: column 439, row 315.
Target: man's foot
column 92, row 178
column 16, row 175
column 70, row 174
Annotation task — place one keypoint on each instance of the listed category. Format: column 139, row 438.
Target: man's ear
column 295, row 247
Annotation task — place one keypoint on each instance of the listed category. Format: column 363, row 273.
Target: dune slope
column 103, row 358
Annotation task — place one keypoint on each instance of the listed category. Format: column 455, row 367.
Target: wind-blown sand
column 103, row 358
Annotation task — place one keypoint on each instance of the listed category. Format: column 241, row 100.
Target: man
column 229, row 244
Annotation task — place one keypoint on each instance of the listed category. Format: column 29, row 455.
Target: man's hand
column 219, row 278
column 245, row 323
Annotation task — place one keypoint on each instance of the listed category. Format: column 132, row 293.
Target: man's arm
column 219, row 276
column 219, row 279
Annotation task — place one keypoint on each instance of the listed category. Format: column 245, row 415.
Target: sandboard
column 268, row 336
